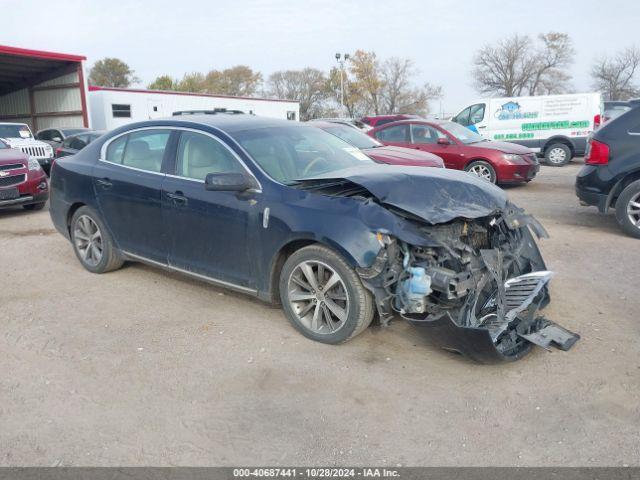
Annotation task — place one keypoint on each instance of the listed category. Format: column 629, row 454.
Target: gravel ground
column 141, row 367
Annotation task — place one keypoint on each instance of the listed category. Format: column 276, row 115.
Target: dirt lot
column 140, row 367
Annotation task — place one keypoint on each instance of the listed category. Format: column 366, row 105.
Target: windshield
column 463, row 134
column 288, row 154
column 352, row 136
column 15, row 131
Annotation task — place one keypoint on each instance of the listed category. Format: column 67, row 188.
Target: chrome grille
column 34, row 151
column 11, row 166
column 12, row 180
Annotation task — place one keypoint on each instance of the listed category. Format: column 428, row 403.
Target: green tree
column 112, row 72
column 238, row 81
column 192, row 82
column 163, row 82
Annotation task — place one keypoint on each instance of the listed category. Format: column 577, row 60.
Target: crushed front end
column 474, row 286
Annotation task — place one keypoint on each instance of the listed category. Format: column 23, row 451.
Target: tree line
column 514, row 66
column 369, row 85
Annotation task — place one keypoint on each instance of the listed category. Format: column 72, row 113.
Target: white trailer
column 113, row 107
column 555, row 125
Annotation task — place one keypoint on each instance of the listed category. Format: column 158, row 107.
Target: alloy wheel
column 557, row 155
column 88, row 240
column 481, row 171
column 318, row 297
column 633, row 210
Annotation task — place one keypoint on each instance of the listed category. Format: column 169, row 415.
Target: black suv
column 611, row 175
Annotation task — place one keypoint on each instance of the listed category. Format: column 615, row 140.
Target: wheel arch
column 286, row 250
column 72, row 210
column 559, row 139
column 620, row 186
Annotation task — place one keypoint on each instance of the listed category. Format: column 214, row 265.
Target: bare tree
column 307, row 86
column 398, row 94
column 516, row 66
column 614, row 77
column 550, row 64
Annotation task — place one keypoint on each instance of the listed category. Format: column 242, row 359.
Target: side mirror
column 57, row 139
column 229, row 182
column 444, row 141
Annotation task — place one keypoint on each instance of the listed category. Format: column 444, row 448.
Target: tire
column 557, row 155
column 483, row 170
column 34, row 206
column 83, row 224
column 628, row 209
column 308, row 314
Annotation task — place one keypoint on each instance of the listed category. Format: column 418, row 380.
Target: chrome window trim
column 103, row 152
column 212, row 280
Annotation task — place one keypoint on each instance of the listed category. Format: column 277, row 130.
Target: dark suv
column 611, row 175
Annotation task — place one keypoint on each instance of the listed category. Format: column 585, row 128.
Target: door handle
column 177, row 198
column 105, row 183
column 482, row 126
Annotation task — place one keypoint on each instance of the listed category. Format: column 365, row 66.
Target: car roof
column 326, row 124
column 227, row 123
column 88, row 132
column 414, row 120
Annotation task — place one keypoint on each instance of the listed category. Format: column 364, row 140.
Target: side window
column 199, row 155
column 45, row 135
column 397, row 133
column 463, row 117
column 79, row 142
column 145, row 149
column 120, row 110
column 424, row 134
column 114, row 150
column 476, row 113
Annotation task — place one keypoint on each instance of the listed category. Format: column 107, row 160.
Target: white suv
column 19, row 136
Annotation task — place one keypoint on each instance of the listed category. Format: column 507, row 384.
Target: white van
column 556, row 126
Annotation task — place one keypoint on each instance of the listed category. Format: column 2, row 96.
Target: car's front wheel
column 323, row 297
column 92, row 243
column 628, row 209
column 483, row 170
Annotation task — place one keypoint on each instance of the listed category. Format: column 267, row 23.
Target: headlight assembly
column 34, row 164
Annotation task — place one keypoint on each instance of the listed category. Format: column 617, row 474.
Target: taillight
column 58, row 150
column 596, row 121
column 597, row 153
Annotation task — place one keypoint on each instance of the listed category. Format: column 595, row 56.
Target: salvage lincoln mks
column 295, row 216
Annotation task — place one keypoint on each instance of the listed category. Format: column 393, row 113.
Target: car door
column 397, row 135
column 128, row 185
column 208, row 230
column 430, row 139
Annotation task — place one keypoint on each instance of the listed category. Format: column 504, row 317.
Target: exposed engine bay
column 477, row 288
column 456, row 259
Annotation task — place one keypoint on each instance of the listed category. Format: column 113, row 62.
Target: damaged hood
column 433, row 194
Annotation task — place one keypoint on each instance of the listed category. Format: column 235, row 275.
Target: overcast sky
column 174, row 37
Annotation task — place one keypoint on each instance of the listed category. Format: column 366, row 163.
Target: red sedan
column 376, row 150
column 22, row 180
column 462, row 149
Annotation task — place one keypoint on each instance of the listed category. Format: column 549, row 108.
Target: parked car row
column 22, row 180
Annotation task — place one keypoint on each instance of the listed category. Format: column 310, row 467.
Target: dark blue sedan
column 295, row 216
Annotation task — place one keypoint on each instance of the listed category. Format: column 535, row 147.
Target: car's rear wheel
column 483, row 170
column 323, row 297
column 557, row 155
column 92, row 243
column 34, row 206
column 628, row 209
